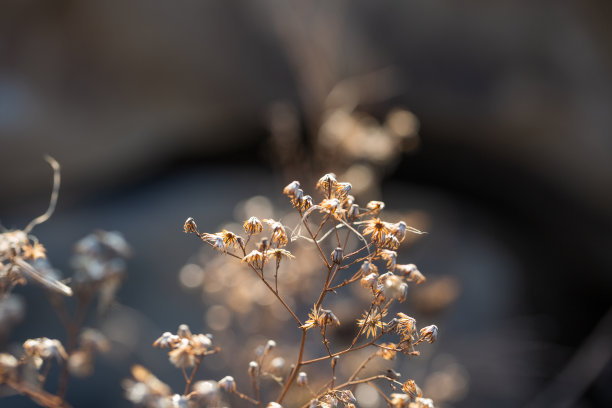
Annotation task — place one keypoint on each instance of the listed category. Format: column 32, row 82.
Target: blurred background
column 486, row 124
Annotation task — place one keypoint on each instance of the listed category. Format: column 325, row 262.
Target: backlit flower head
column 429, row 333
column 252, row 226
column 291, row 189
column 216, row 241
column 375, row 206
column 377, row 228
column 279, row 235
column 389, row 256
column 372, row 322
column 190, row 225
column 229, row 238
column 327, row 184
column 254, row 258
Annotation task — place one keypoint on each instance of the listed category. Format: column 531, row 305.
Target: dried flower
column 398, row 230
column 406, row 326
column 375, row 206
column 372, row 321
column 423, row 403
column 367, row 268
column 279, row 236
column 320, row 318
column 391, row 242
column 229, row 238
column 291, row 189
column 369, row 281
column 278, row 254
column 399, row 400
column 216, row 241
column 34, row 251
column 166, row 340
column 45, row 348
column 394, row 287
column 190, row 225
column 411, row 273
column 387, row 351
column 377, row 228
column 343, row 189
column 228, row 384
column 252, row 226
column 182, row 355
column 331, row 206
column 353, row 212
column 390, row 257
column 410, row 388
column 254, row 258
column 429, row 333
column 327, row 183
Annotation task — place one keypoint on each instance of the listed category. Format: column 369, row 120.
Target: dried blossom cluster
column 327, row 226
column 99, row 264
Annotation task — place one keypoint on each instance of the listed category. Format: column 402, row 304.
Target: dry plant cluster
column 99, row 264
column 343, row 244
column 327, row 227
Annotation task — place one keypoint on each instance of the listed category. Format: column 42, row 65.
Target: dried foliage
column 337, row 244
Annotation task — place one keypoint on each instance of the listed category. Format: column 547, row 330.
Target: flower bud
column 190, row 225
column 228, row 383
column 291, row 189
column 369, row 281
column 336, row 255
column 270, row 345
column 252, row 226
column 429, row 333
column 253, row 369
column 302, row 379
column 183, row 331
column 353, row 212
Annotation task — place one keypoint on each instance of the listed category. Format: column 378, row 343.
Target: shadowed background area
column 487, row 124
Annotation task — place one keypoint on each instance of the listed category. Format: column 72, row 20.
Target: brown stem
column 72, row 333
column 189, row 380
column 296, row 369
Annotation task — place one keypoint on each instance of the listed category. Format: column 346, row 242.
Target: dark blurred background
column 493, row 120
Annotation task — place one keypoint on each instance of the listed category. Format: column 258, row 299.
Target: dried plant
column 99, row 265
column 351, row 244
